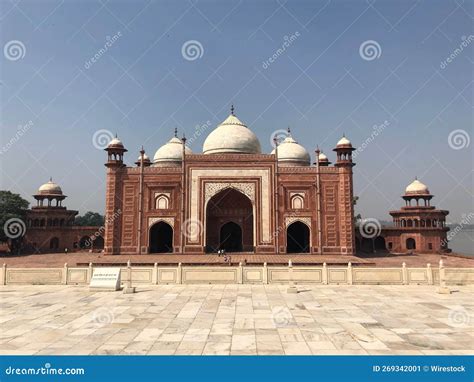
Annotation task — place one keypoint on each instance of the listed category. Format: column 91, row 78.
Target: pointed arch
column 160, row 238
column 298, row 237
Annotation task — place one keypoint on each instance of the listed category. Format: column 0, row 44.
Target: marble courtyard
column 237, row 319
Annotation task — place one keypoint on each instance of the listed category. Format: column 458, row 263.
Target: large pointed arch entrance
column 229, row 222
column 161, row 238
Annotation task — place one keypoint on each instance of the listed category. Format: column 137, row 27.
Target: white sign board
column 105, row 279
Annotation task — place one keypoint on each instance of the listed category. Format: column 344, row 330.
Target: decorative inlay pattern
column 212, row 189
column 152, row 221
column 304, row 219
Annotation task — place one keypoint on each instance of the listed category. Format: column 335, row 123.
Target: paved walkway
column 236, row 319
column 381, row 259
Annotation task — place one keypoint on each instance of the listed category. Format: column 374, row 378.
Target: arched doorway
column 230, row 237
column 229, row 222
column 297, row 238
column 411, row 243
column 161, row 238
column 85, row 242
column 54, row 243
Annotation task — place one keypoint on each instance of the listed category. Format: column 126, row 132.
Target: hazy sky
column 338, row 66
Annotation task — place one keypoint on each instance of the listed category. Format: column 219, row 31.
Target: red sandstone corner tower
column 231, row 196
column 418, row 226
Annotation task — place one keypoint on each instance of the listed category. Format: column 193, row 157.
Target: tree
column 12, row 219
column 90, row 218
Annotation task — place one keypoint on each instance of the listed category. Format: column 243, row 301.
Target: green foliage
column 90, row 218
column 12, row 206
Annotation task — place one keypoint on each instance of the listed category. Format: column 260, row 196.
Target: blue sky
column 322, row 85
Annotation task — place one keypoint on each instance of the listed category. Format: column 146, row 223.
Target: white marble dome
column 232, row 136
column 145, row 157
column 50, row 188
column 322, row 157
column 115, row 142
column 292, row 152
column 416, row 187
column 344, row 142
column 172, row 151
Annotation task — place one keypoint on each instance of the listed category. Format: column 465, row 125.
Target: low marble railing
column 244, row 274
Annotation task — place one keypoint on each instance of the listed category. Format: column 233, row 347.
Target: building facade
column 231, row 197
column 418, row 226
column 50, row 225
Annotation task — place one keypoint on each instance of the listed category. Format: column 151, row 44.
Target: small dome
column 232, row 136
column 323, row 157
column 145, row 157
column 416, row 187
column 172, row 151
column 115, row 143
column 291, row 151
column 50, row 188
column 344, row 142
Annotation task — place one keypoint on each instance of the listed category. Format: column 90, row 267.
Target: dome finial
column 176, row 132
column 116, row 135
column 50, row 178
column 232, row 109
column 288, row 130
column 416, row 178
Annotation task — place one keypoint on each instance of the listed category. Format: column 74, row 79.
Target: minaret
column 344, row 151
column 115, row 151
column 344, row 164
column 113, row 198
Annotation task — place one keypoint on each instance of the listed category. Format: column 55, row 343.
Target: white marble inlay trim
column 169, row 220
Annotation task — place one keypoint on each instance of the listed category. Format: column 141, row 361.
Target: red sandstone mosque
column 233, row 197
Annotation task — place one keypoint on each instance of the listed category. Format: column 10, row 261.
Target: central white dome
column 232, row 136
